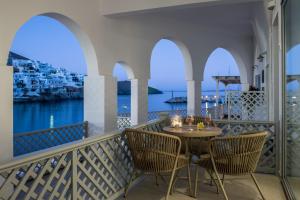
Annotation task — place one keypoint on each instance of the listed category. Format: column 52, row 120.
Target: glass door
column 292, row 95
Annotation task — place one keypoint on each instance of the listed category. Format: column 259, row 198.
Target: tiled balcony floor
column 238, row 188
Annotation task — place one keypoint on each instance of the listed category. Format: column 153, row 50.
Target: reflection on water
column 42, row 115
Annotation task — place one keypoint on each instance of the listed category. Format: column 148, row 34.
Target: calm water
column 42, row 115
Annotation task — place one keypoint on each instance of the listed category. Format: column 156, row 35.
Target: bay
column 31, row 116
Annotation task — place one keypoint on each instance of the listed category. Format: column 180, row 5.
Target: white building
column 35, row 78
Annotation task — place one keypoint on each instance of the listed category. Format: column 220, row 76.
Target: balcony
column 92, row 160
column 100, row 168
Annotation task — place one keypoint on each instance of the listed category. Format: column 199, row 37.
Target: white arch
column 188, row 66
column 240, row 63
column 127, row 68
column 137, row 97
column 83, row 39
column 244, row 76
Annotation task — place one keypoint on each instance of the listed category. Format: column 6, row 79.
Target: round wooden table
column 187, row 133
column 192, row 131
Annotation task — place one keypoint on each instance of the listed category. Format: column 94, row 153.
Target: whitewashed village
column 38, row 81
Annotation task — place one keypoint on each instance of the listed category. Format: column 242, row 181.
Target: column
column 217, row 93
column 100, row 104
column 6, row 113
column 194, row 97
column 139, row 101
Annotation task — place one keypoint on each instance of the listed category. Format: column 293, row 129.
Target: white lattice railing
column 42, row 139
column 123, row 122
column 249, row 106
column 97, row 168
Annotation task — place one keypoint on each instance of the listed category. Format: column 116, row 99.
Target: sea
column 32, row 116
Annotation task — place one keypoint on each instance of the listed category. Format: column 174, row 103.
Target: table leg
column 189, row 154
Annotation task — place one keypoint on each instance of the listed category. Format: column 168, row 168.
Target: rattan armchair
column 233, row 155
column 156, row 153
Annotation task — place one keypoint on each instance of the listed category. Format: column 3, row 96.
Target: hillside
column 14, row 56
column 124, row 88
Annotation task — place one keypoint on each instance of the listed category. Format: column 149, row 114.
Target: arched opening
column 49, row 56
column 221, row 74
column 123, row 73
column 168, row 76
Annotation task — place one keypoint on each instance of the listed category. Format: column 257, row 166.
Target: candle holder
column 176, row 121
column 190, row 120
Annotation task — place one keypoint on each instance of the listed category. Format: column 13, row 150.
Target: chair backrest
column 153, row 152
column 198, row 119
column 237, row 155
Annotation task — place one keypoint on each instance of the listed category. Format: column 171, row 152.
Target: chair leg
column 171, row 182
column 196, row 181
column 223, row 177
column 156, row 181
column 212, row 179
column 189, row 179
column 257, row 186
column 219, row 180
column 162, row 178
column 174, row 181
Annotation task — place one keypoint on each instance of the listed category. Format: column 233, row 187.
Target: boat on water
column 177, row 100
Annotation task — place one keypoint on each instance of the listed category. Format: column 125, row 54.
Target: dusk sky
column 47, row 40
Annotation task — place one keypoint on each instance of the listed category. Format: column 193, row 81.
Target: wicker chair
column 156, row 153
column 233, row 155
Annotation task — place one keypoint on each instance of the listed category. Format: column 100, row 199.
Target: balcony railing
column 250, row 106
column 239, row 106
column 37, row 140
column 98, row 167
